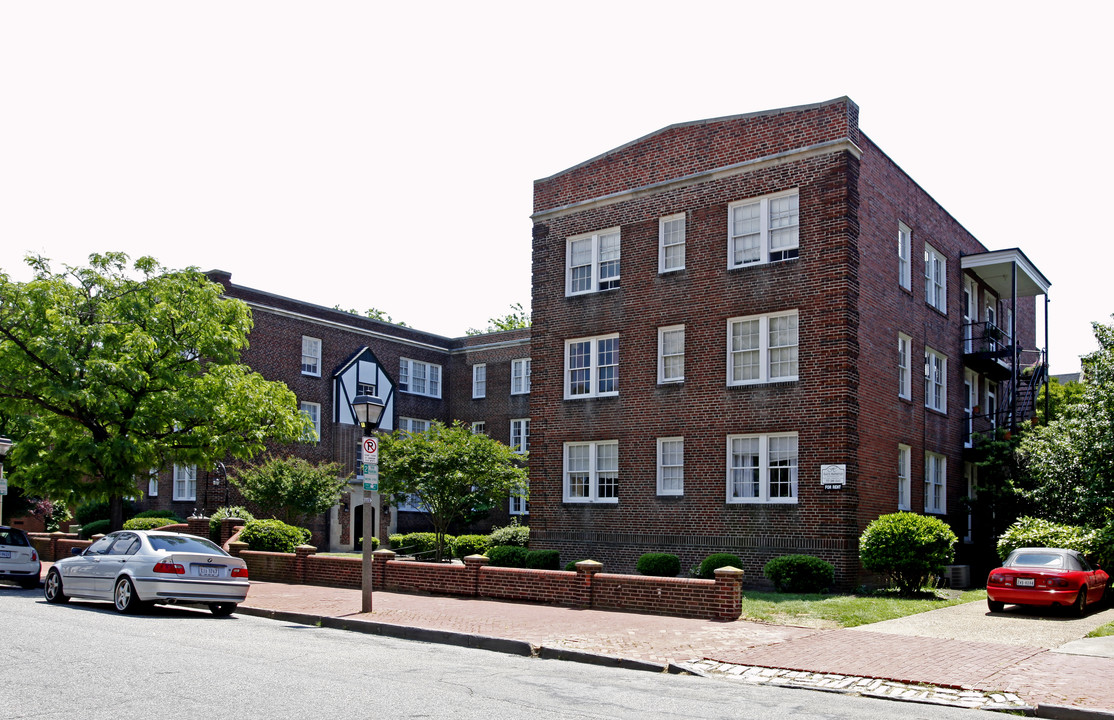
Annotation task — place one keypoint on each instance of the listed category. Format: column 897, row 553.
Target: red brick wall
column 552, row 587
column 269, row 566
column 334, row 571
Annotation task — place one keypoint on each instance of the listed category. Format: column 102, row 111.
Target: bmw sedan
column 1046, row 577
column 18, row 559
column 134, row 569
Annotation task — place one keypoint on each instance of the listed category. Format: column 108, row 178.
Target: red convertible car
column 1047, row 577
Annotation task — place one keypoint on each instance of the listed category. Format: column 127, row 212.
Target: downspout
column 1013, row 342
column 1047, row 363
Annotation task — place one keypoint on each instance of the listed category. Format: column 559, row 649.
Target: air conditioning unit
column 959, row 576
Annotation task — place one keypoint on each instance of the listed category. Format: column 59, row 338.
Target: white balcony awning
column 996, row 270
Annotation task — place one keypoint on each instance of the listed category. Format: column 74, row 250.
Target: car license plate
column 207, row 571
column 1025, row 582
column 5, row 553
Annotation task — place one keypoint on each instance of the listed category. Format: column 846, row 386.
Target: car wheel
column 995, row 605
column 125, row 598
column 52, row 588
column 1079, row 607
column 222, row 609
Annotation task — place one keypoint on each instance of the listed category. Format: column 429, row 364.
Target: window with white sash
column 671, row 354
column 592, row 262
column 419, row 378
column 671, row 466
column 592, row 367
column 479, row 381
column 591, row 472
column 671, row 243
column 311, row 356
column 762, row 468
column 520, row 376
column 762, row 230
column 762, row 348
column 935, row 483
column 185, row 482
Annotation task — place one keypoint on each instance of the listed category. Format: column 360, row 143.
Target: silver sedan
column 138, row 568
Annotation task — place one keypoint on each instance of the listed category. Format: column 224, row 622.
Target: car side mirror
column 77, row 551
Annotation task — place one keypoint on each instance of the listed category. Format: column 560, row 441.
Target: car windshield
column 184, row 543
column 1034, row 559
column 13, row 537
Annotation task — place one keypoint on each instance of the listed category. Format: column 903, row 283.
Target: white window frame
column 594, row 367
column 970, row 401
column 413, row 425
column 904, row 366
column 991, row 409
column 592, row 470
column 520, row 376
column 664, row 374
column 764, row 469
column 518, row 505
column 185, row 483
column 971, row 480
column 904, row 256
column 598, row 257
column 935, row 380
column 479, row 427
column 311, row 356
column 904, row 477
column 312, row 410
column 671, row 466
column 935, row 483
column 935, row 279
column 153, row 484
column 418, row 377
column 520, row 435
column 479, row 381
column 765, row 233
column 763, row 349
column 671, row 237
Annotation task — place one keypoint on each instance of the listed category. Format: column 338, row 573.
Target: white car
column 138, row 568
column 18, row 559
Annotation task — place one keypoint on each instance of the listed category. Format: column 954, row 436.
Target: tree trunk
column 115, row 513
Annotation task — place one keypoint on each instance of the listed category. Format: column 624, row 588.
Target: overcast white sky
column 382, row 154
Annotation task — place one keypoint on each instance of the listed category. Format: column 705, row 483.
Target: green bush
column 166, row 513
column 421, row 543
column 543, row 559
column 394, row 540
column 799, row 574
column 707, row 569
column 374, row 543
column 1035, row 532
column 92, row 511
column 465, row 545
column 1103, row 546
column 507, row 556
column 221, row 513
column 148, row 523
column 659, row 565
column 513, row 534
column 907, row 548
column 94, row 527
column 273, row 536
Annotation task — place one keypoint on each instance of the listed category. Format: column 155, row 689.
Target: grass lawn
column 1104, row 631
column 835, row 611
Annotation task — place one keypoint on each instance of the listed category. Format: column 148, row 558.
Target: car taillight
column 34, row 556
column 240, row 572
column 1057, row 582
column 172, row 568
column 997, row 579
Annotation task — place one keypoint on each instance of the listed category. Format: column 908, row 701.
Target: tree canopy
column 107, row 373
column 449, row 471
column 291, row 489
column 516, row 319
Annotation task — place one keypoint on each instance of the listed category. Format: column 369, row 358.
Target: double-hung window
column 479, row 381
column 479, row 427
column 312, row 411
column 904, row 367
column 520, row 376
column 935, row 279
column 935, row 483
column 592, row 367
column 153, row 484
column 419, row 378
column 591, row 473
column 185, row 482
column 520, row 435
column 762, row 348
column 904, row 482
column 311, row 356
column 762, row 468
column 763, row 230
column 671, row 243
column 519, row 505
column 671, row 354
column 992, row 403
column 671, row 466
column 592, row 262
column 413, row 425
column 935, row 380
column 904, row 260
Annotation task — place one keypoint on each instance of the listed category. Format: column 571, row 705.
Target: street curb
column 550, row 653
column 1063, row 712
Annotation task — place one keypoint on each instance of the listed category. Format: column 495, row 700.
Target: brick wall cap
column 387, row 554
column 589, row 565
column 476, row 560
column 728, row 571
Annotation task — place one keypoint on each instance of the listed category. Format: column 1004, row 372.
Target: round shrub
column 799, row 574
column 465, row 545
column 708, row 567
column 907, row 548
column 394, row 540
column 513, row 534
column 94, row 527
column 273, row 536
column 165, row 513
column 374, row 543
column 1035, row 532
column 221, row 513
column 148, row 523
column 507, row 556
column 543, row 559
column 422, row 543
column 659, row 565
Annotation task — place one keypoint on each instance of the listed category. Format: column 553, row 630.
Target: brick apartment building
column 752, row 380
column 327, row 357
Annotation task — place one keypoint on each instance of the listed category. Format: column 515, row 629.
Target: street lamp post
column 369, row 411
column 5, row 446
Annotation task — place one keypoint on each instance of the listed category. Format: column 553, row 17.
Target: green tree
column 1060, row 396
column 450, row 471
column 374, row 314
column 106, row 374
column 291, row 489
column 516, row 319
column 1071, row 459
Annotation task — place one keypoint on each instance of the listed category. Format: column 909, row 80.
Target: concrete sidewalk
column 1057, row 684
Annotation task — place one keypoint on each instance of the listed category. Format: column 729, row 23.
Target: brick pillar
column 379, row 560
column 729, row 593
column 228, row 529
column 472, row 566
column 235, row 547
column 585, row 569
column 300, row 554
column 54, row 538
column 198, row 526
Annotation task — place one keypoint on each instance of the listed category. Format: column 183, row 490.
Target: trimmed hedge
column 221, row 513
column 907, row 548
column 543, row 559
column 659, row 565
column 800, row 574
column 94, row 527
column 708, row 567
column 419, row 543
column 1035, row 532
column 507, row 556
column 465, row 545
column 164, row 513
column 274, row 536
column 513, row 534
column 148, row 523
